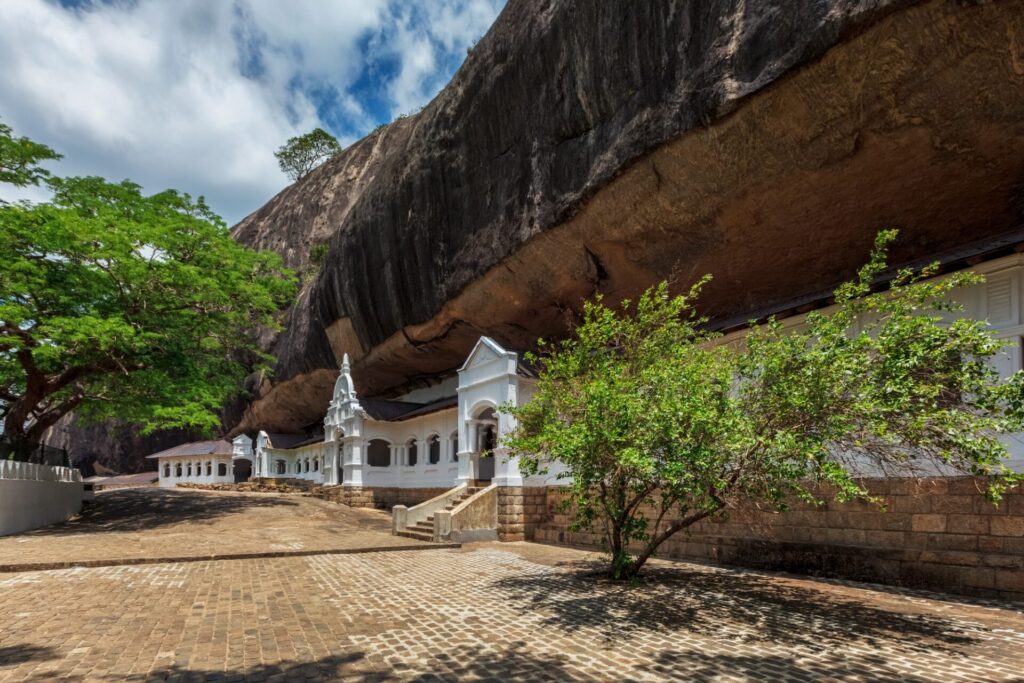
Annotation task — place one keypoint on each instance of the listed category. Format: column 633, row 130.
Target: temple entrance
column 242, row 469
column 487, row 442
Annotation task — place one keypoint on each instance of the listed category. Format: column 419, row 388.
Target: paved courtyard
column 499, row 612
column 145, row 523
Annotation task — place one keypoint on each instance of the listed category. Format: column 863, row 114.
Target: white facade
column 210, row 462
column 305, row 462
column 431, row 438
column 999, row 301
column 437, row 444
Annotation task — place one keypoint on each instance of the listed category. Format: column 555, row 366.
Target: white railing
column 26, row 471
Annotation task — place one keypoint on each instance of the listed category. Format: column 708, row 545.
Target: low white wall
column 33, row 496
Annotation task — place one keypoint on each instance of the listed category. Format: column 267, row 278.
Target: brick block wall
column 521, row 510
column 938, row 533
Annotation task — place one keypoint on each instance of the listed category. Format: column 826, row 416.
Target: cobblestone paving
column 503, row 612
column 175, row 523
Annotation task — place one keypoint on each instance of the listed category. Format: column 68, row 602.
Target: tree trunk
column 15, row 445
column 636, row 564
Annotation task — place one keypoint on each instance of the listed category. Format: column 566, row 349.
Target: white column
column 468, row 455
column 353, row 450
column 397, row 461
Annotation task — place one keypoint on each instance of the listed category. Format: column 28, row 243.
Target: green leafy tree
column 20, row 157
column 658, row 426
column 303, row 153
column 119, row 305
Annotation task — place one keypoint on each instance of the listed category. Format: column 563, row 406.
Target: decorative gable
column 485, row 351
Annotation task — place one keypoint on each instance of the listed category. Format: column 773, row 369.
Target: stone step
column 418, row 535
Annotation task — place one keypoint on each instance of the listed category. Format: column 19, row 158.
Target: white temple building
column 435, row 449
column 439, row 443
column 434, row 457
column 428, row 439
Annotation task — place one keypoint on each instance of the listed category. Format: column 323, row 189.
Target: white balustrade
column 27, row 471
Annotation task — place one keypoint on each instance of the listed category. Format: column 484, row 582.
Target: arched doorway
column 487, row 442
column 242, row 469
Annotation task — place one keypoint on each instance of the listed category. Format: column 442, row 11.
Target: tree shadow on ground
column 728, row 605
column 148, row 508
column 20, row 654
column 701, row 666
column 505, row 662
column 353, row 666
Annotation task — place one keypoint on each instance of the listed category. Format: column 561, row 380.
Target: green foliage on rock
column 119, row 305
column 318, row 254
column 303, row 153
column 660, row 426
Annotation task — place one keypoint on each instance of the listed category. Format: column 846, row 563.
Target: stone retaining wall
column 521, row 510
column 937, row 533
column 382, row 497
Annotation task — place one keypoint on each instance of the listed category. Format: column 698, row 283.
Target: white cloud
column 196, row 94
column 424, row 37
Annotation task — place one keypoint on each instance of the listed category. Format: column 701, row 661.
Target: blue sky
column 197, row 94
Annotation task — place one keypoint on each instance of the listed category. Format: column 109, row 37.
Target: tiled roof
column 215, row 447
column 428, row 408
column 290, row 441
column 386, row 410
column 124, row 479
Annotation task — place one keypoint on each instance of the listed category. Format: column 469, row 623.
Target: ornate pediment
column 485, row 351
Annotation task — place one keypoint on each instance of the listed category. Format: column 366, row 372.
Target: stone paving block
column 503, row 612
column 175, row 523
column 518, row 612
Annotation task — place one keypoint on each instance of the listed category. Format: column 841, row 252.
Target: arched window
column 411, row 452
column 199, row 469
column 222, row 469
column 454, row 438
column 188, row 470
column 378, row 453
column 167, row 470
column 316, row 464
column 177, row 469
column 209, row 468
column 280, row 467
column 307, row 464
column 434, row 449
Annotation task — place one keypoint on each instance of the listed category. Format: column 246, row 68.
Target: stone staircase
column 424, row 529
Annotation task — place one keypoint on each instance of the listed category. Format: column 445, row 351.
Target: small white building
column 205, row 462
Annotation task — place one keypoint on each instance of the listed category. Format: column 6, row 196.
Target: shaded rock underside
column 584, row 149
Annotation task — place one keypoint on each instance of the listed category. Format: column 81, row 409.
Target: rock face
column 121, row 448
column 603, row 146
